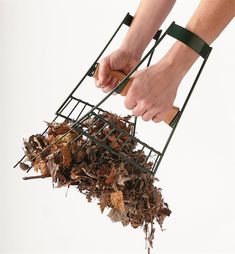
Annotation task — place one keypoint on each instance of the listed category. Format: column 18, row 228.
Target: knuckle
column 147, row 104
column 138, row 110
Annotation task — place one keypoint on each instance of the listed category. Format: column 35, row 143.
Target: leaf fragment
column 24, row 166
column 117, row 200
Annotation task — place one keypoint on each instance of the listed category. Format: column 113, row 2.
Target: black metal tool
column 82, row 110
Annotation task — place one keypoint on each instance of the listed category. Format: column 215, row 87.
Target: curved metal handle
column 190, row 39
column 124, row 87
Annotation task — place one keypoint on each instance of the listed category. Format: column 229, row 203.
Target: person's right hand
column 119, row 60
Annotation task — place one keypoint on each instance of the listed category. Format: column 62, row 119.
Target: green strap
column 190, row 39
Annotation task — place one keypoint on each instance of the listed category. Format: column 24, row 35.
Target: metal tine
column 87, row 103
column 138, row 177
column 65, row 105
column 116, row 138
column 147, row 157
column 130, row 137
column 91, row 124
column 48, row 127
column 89, row 140
column 155, row 163
column 81, row 112
column 68, row 117
column 124, row 144
column 105, row 124
column 107, row 134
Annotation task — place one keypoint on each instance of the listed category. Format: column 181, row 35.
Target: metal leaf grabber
column 82, row 110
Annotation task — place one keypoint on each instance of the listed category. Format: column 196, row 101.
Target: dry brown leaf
column 117, row 216
column 115, row 145
column 111, row 176
column 80, row 155
column 57, row 129
column 40, row 165
column 117, row 200
column 24, row 166
column 66, row 154
column 103, row 202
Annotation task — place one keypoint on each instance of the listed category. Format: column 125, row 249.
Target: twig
column 35, row 177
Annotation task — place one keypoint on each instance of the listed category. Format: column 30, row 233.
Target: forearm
column 148, row 18
column 209, row 20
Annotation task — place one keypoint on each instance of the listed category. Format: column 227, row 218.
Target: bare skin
column 154, row 89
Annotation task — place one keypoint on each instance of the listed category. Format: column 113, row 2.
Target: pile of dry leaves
column 71, row 158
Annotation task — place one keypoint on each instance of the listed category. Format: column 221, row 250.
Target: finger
column 149, row 114
column 107, row 83
column 103, row 75
column 160, row 116
column 129, row 102
column 138, row 110
column 157, row 118
column 163, row 114
column 110, row 85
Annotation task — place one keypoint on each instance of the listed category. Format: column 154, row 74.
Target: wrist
column 181, row 58
column 132, row 50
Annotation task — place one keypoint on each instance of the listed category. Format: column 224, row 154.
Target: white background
column 45, row 48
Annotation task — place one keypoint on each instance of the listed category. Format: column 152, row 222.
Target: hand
column 119, row 60
column 153, row 91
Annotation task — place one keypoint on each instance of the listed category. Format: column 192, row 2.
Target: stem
column 35, row 177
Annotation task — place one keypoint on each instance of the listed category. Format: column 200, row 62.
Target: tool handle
column 125, row 87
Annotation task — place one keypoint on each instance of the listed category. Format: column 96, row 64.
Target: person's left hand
column 153, row 91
